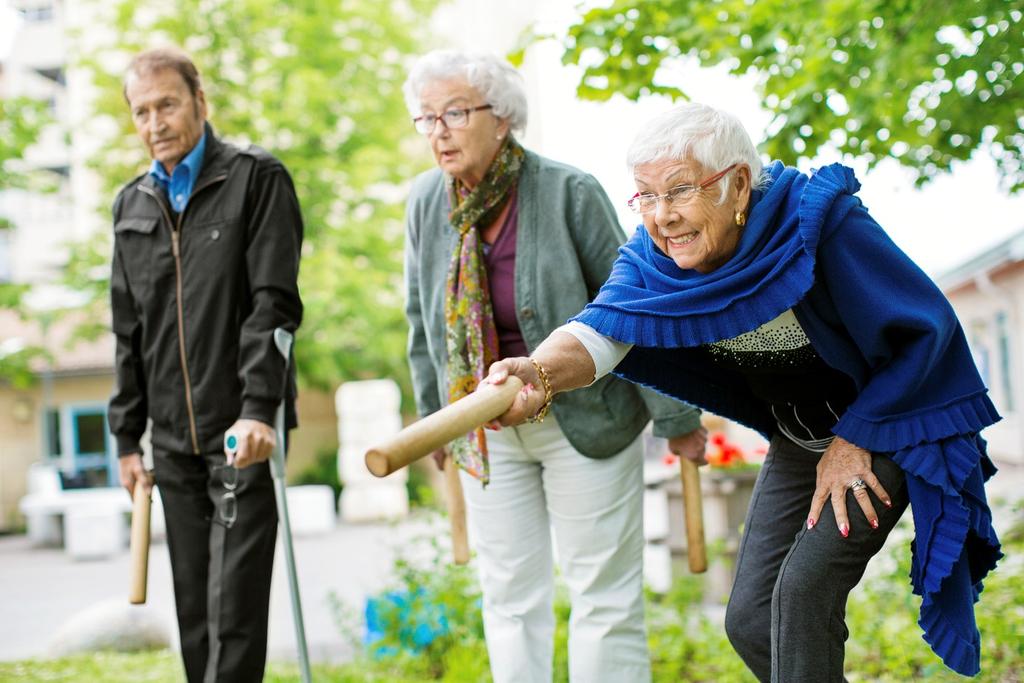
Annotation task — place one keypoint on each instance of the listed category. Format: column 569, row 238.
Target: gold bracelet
column 545, row 379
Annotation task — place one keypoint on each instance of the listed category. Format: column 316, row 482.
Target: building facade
column 61, row 418
column 987, row 292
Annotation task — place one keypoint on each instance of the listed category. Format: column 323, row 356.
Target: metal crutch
column 283, row 340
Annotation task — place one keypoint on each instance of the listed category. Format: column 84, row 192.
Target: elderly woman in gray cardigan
column 502, row 246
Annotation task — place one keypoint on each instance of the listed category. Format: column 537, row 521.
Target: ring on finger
column 857, row 484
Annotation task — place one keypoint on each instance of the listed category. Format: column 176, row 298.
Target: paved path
column 41, row 588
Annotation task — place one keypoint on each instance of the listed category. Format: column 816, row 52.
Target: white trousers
column 540, row 483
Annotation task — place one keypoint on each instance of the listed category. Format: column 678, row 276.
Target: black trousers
column 221, row 574
column 786, row 616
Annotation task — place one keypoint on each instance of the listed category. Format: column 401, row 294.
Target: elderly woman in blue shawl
column 773, row 298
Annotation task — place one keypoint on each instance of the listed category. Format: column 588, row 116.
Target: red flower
column 723, row 453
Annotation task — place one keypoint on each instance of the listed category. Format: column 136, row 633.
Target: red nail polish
column 844, row 530
column 888, row 503
column 810, row 522
column 874, row 524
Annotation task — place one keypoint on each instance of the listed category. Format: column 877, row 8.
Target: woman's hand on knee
column 845, row 466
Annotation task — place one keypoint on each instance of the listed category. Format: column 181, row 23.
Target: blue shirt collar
column 179, row 184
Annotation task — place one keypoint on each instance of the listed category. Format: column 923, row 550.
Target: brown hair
column 160, row 58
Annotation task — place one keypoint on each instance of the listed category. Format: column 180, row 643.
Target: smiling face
column 701, row 234
column 166, row 115
column 464, row 153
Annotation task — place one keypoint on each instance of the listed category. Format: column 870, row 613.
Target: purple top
column 500, row 262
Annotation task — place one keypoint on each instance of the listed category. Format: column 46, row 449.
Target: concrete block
column 368, row 399
column 94, row 529
column 311, row 509
column 157, row 519
column 368, row 414
column 656, row 522
column 383, row 500
column 658, row 567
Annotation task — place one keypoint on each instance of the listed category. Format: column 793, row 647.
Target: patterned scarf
column 472, row 339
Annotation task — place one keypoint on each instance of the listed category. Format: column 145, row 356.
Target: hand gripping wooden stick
column 140, row 543
column 694, row 508
column 434, row 431
column 456, row 511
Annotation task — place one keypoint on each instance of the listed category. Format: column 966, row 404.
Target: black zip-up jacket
column 196, row 297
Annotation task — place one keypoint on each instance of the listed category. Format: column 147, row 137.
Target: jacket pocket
column 144, row 226
column 137, row 239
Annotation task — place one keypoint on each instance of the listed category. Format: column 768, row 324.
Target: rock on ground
column 111, row 625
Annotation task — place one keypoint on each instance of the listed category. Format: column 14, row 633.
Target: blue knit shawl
column 810, row 245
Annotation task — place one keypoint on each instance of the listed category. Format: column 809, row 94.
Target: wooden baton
column 456, row 511
column 434, row 431
column 140, row 543
column 694, row 508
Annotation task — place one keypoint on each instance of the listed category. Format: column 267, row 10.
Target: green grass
column 885, row 643
column 165, row 667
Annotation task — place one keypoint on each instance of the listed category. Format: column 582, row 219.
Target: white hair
column 495, row 79
column 715, row 139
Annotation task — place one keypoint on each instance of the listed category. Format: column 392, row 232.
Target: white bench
column 88, row 522
column 92, row 523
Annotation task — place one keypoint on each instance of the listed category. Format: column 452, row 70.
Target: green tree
column 21, row 121
column 318, row 83
column 923, row 82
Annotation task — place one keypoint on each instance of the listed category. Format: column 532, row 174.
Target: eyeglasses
column 680, row 195
column 228, row 508
column 453, row 118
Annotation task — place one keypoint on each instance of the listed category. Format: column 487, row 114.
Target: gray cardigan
column 567, row 239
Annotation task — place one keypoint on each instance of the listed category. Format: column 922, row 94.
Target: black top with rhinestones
column 782, row 368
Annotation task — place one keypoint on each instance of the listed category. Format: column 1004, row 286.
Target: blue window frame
column 78, row 436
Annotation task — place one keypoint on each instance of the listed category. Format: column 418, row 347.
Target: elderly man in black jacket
column 206, row 258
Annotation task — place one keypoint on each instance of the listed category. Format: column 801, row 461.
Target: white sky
column 8, row 24
column 950, row 220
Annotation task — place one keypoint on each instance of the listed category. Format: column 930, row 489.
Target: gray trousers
column 221, row 575
column 786, row 615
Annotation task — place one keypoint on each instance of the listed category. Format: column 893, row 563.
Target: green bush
column 430, row 586
column 687, row 645
column 421, row 493
column 323, row 470
column 886, row 643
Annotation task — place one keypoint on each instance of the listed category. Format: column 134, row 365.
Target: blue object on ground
column 411, row 619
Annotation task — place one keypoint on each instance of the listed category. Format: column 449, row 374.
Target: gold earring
column 741, row 218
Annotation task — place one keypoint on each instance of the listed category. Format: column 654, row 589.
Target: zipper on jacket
column 179, row 287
